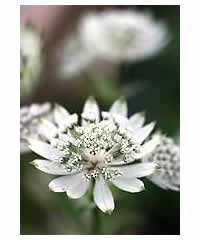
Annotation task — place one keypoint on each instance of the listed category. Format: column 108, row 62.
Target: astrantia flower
column 122, row 35
column 29, row 122
column 111, row 36
column 72, row 56
column 104, row 151
column 167, row 157
column 30, row 59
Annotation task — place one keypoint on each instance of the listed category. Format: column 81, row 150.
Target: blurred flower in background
column 29, row 122
column 72, row 56
column 119, row 36
column 113, row 36
column 30, row 60
column 167, row 156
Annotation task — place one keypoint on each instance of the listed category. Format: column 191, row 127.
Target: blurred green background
column 152, row 85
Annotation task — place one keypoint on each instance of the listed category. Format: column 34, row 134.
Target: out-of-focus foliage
column 152, row 85
column 30, row 60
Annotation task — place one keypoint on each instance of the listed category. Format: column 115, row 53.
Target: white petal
column 106, row 115
column 158, row 181
column 45, row 150
column 103, row 196
column 121, row 120
column 119, row 107
column 129, row 184
column 65, row 183
column 47, row 129
column 142, row 133
column 60, row 115
column 137, row 170
column 90, row 109
column 79, row 189
column 50, row 167
column 163, row 183
column 149, row 146
column 137, row 120
column 174, row 188
column 72, row 120
column 117, row 118
column 24, row 147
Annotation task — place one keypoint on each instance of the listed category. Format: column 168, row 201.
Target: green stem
column 66, row 206
column 96, row 223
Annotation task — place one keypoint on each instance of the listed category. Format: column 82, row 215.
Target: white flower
column 72, row 56
column 104, row 151
column 110, row 36
column 29, row 122
column 30, row 41
column 167, row 157
column 122, row 35
column 30, row 59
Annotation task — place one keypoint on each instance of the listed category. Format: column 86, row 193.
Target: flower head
column 110, row 36
column 30, row 59
column 103, row 150
column 29, row 121
column 72, row 56
column 167, row 157
column 122, row 35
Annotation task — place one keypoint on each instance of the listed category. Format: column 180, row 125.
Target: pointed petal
column 72, row 120
column 60, row 115
column 65, row 183
column 137, row 170
column 117, row 118
column 45, row 150
column 79, row 189
column 90, row 111
column 129, row 184
column 103, row 196
column 149, row 146
column 106, row 115
column 120, row 120
column 51, row 167
column 142, row 133
column 137, row 120
column 119, row 107
column 47, row 129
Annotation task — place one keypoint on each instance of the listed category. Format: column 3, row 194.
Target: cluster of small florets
column 106, row 172
column 167, row 157
column 99, row 137
column 110, row 173
column 29, row 121
column 81, row 145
